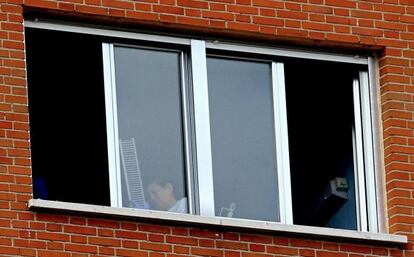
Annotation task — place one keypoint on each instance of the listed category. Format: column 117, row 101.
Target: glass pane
column 150, row 129
column 321, row 118
column 242, row 138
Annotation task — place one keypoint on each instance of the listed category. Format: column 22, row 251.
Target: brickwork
column 384, row 25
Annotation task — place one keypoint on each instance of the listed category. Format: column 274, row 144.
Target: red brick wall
column 385, row 25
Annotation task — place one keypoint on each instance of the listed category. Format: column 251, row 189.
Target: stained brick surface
column 386, row 26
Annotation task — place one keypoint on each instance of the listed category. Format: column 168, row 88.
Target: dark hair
column 163, row 182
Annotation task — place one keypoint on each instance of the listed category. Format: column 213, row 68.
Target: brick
column 129, row 226
column 204, row 233
column 130, row 235
column 9, row 250
column 193, row 4
column 154, row 228
column 79, row 230
column 257, row 247
column 181, row 240
column 232, row 245
column 103, row 223
column 242, row 9
column 341, row 37
column 282, row 250
column 330, row 254
column 193, row 13
column 23, row 243
column 306, row 243
column 130, row 253
column 155, row 247
column 81, row 248
column 118, row 4
column 242, row 26
column 267, row 12
column 106, row 232
column 168, row 9
column 91, row 10
column 355, row 249
column 268, row 3
column 106, row 251
column 292, row 15
column 129, row 244
column 317, row 9
column 11, row 26
column 268, row 21
column 206, row 243
column 341, row 3
column 390, row 25
column 52, row 218
column 20, row 170
column 52, row 236
column 42, row 4
column 104, row 241
column 317, row 26
column 206, row 252
column 78, row 239
column 248, row 254
column 141, row 15
column 218, row 15
column 44, row 253
column 255, row 238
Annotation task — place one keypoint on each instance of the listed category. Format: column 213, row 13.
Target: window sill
column 252, row 225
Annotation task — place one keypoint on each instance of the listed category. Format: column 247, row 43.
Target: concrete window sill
column 195, row 220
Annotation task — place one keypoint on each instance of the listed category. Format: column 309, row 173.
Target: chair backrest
column 132, row 172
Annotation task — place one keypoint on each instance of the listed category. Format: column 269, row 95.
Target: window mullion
column 359, row 160
column 187, row 135
column 368, row 152
column 112, row 125
column 202, row 128
column 282, row 144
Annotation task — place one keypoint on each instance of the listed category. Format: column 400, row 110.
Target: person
column 162, row 196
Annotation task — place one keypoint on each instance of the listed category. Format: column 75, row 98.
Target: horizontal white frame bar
column 105, row 32
column 287, row 52
column 324, row 56
column 252, row 225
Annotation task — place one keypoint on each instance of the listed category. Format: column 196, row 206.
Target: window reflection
column 149, row 113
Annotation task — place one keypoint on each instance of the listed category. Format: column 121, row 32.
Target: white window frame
column 365, row 174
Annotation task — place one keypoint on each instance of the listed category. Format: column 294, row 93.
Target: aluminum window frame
column 365, row 138
column 114, row 162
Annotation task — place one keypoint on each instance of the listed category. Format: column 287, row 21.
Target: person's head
column 161, row 194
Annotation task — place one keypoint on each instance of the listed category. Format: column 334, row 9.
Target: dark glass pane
column 320, row 122
column 67, row 117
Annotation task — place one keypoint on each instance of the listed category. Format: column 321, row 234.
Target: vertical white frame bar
column 373, row 73
column 202, row 128
column 368, row 152
column 359, row 160
column 112, row 125
column 187, row 138
column 282, row 143
column 356, row 179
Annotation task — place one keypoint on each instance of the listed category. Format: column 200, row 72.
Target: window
column 199, row 127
